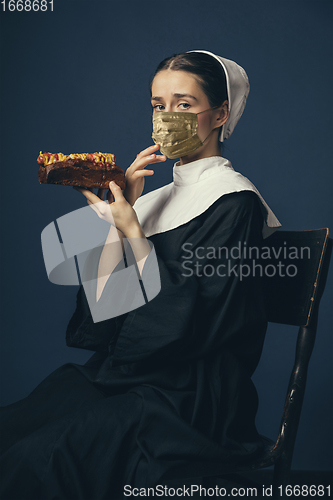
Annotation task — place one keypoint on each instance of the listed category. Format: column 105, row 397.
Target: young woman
column 168, row 392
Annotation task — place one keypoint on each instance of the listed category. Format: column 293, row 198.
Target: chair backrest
column 295, row 265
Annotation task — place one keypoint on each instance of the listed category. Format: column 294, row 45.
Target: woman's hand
column 119, row 213
column 135, row 174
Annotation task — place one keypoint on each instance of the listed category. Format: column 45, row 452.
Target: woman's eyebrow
column 185, row 95
column 179, row 96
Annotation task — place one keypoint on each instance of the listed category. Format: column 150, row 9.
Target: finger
column 101, row 193
column 148, row 151
column 151, row 156
column 93, row 206
column 116, row 191
column 89, row 195
column 141, row 163
column 142, row 173
column 109, row 197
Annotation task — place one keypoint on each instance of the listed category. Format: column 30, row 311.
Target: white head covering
column 238, row 88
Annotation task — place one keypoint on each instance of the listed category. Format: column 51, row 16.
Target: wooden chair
column 292, row 299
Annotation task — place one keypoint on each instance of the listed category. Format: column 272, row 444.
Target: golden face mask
column 176, row 133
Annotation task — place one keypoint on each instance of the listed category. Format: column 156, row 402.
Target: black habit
column 168, row 392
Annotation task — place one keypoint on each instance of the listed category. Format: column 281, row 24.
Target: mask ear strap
column 209, row 109
column 208, row 135
column 215, row 107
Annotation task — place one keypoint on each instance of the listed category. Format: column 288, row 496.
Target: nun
column 168, row 392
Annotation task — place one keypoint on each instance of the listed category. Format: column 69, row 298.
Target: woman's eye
column 184, row 105
column 158, row 107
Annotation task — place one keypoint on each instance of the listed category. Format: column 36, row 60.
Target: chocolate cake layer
column 81, row 173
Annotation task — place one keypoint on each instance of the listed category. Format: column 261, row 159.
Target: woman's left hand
column 119, row 213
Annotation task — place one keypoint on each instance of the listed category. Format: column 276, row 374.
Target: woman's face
column 180, row 91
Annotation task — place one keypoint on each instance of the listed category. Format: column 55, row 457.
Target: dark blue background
column 77, row 79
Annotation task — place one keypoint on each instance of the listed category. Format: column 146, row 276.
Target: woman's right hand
column 136, row 173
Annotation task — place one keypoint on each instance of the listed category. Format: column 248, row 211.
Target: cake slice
column 91, row 170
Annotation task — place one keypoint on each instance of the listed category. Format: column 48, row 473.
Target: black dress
column 168, row 392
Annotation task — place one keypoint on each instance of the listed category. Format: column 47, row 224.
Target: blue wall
column 76, row 79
